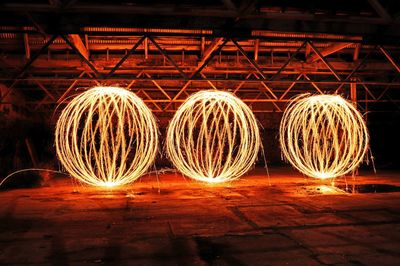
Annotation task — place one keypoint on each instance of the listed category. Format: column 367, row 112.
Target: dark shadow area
column 385, row 142
column 370, row 188
column 24, row 145
column 215, row 253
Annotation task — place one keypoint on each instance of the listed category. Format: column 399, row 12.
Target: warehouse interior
column 263, row 51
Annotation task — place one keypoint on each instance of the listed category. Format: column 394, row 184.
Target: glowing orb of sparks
column 106, row 137
column 323, row 136
column 213, row 137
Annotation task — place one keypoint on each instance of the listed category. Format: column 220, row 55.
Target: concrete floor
column 293, row 221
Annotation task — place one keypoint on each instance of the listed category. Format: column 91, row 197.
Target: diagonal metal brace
column 165, row 54
column 251, row 61
column 123, row 59
column 92, row 67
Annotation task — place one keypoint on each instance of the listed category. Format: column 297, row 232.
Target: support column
column 353, row 92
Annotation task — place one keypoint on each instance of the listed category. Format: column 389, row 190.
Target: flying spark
column 213, row 137
column 106, row 137
column 323, row 136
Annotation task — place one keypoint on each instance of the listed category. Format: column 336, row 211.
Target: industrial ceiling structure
column 264, row 51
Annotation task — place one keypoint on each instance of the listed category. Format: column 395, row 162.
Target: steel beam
column 210, row 49
column 42, row 87
column 267, row 88
column 35, row 56
column 380, row 10
column 209, row 82
column 390, row 58
column 150, row 99
column 91, row 66
column 123, row 59
column 333, row 48
column 77, row 41
column 158, row 86
column 353, row 92
column 290, row 87
column 368, row 91
column 237, row 88
column 64, row 95
column 26, row 46
column 230, row 79
column 288, row 61
column 9, row 90
column 163, row 87
column 206, row 59
column 313, row 83
column 251, row 61
column 349, row 76
column 321, row 57
column 165, row 54
column 256, row 49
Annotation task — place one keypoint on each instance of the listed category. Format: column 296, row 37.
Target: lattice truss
column 266, row 70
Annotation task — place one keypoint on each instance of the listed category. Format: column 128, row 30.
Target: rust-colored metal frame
column 254, row 85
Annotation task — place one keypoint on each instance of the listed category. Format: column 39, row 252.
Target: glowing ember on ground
column 107, row 137
column 213, row 137
column 323, row 136
column 324, row 189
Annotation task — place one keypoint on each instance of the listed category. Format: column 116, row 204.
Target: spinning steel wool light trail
column 213, row 137
column 106, row 136
column 323, row 136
